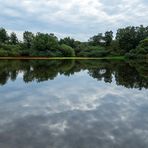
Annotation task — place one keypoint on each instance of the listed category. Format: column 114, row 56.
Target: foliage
column 13, row 38
column 144, row 43
column 3, row 53
column 102, row 40
column 67, row 51
column 141, row 51
column 3, row 36
column 68, row 41
column 130, row 41
column 10, row 50
column 28, row 38
column 95, row 48
column 96, row 40
column 44, row 42
column 93, row 51
column 108, row 38
column 130, row 37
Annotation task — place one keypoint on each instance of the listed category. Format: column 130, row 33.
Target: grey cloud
column 77, row 18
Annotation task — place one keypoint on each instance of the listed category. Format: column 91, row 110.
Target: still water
column 73, row 104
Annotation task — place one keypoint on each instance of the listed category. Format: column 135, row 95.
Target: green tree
column 140, row 52
column 28, row 38
column 144, row 43
column 142, row 33
column 130, row 37
column 3, row 36
column 13, row 38
column 142, row 48
column 67, row 51
column 126, row 38
column 68, row 41
column 45, row 42
column 108, row 37
column 96, row 40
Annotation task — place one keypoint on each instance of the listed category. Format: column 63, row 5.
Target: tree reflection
column 131, row 74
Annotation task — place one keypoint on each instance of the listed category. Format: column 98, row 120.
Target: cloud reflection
column 72, row 112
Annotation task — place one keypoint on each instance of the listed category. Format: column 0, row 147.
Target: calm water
column 73, row 104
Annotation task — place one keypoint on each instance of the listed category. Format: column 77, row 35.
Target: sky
column 79, row 19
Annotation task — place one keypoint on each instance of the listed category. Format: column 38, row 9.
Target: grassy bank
column 62, row 58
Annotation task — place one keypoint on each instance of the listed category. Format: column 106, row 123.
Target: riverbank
column 63, row 58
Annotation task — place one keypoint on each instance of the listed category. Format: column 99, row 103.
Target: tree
column 142, row 48
column 67, row 51
column 108, row 37
column 142, row 33
column 68, row 41
column 45, row 42
column 144, row 43
column 140, row 52
column 97, row 39
column 126, row 37
column 3, row 35
column 130, row 37
column 13, row 38
column 28, row 38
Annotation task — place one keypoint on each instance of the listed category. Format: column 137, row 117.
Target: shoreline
column 63, row 58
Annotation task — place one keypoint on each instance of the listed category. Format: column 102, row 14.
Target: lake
column 73, row 104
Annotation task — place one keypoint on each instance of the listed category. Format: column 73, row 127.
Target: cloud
column 76, row 18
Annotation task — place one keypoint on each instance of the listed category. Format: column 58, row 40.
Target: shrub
column 24, row 53
column 67, row 51
column 141, row 51
column 144, row 43
column 130, row 56
column 44, row 42
column 10, row 50
column 3, row 53
column 93, row 53
column 95, row 48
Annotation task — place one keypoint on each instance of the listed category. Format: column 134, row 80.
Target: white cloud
column 77, row 18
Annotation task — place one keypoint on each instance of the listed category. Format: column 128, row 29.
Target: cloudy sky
column 76, row 18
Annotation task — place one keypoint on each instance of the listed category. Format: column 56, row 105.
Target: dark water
column 73, row 104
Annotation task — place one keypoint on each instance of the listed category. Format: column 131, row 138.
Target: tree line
column 130, row 41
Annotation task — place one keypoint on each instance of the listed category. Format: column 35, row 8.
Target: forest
column 130, row 42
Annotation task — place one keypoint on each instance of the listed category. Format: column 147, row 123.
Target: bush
column 24, row 53
column 140, row 52
column 10, row 50
column 55, row 53
column 144, row 43
column 44, row 42
column 67, row 51
column 130, row 56
column 93, row 53
column 3, row 53
column 95, row 48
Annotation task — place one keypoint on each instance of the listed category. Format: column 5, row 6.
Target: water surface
column 73, row 104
